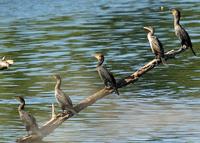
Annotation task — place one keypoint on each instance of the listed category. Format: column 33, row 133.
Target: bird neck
column 58, row 84
column 176, row 20
column 149, row 35
column 100, row 62
column 21, row 106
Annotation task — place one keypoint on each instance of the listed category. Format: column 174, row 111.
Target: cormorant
column 28, row 120
column 105, row 75
column 63, row 100
column 180, row 32
column 155, row 44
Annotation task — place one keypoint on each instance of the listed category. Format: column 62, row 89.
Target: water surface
column 49, row 37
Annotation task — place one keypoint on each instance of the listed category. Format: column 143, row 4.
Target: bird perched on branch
column 180, row 32
column 63, row 100
column 28, row 120
column 4, row 63
column 155, row 44
column 105, row 75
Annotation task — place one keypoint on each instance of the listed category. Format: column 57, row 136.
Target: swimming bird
column 155, row 44
column 28, row 119
column 180, row 32
column 4, row 63
column 105, row 75
column 63, row 100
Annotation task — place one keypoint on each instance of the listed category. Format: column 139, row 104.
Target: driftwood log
column 57, row 119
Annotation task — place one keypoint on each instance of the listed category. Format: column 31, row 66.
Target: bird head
column 57, row 76
column 149, row 29
column 176, row 12
column 20, row 99
column 99, row 56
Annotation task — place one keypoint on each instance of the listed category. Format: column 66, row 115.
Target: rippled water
column 48, row 37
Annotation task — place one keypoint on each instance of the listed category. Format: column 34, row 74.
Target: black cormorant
column 105, row 75
column 155, row 44
column 28, row 120
column 180, row 32
column 63, row 100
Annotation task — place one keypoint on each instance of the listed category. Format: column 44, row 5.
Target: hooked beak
column 146, row 29
column 96, row 56
column 172, row 11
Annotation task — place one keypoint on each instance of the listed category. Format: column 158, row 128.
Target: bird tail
column 116, row 91
column 193, row 51
column 73, row 111
column 163, row 61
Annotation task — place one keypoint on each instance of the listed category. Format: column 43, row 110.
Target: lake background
column 49, row 37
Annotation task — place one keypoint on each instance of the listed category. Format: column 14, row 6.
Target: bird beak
column 17, row 98
column 53, row 76
column 146, row 29
column 95, row 56
column 172, row 11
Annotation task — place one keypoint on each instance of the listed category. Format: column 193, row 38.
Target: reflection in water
column 48, row 37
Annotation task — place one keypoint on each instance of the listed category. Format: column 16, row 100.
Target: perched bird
column 180, row 32
column 4, row 63
column 155, row 44
column 105, row 75
column 28, row 120
column 63, row 100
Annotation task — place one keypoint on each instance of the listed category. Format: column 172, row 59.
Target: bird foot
column 107, row 87
column 184, row 47
column 66, row 112
column 28, row 133
column 157, row 60
column 63, row 113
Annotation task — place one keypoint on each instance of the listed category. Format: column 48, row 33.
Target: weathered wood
column 57, row 120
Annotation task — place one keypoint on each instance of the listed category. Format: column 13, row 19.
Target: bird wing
column 63, row 98
column 182, row 34
column 28, row 120
column 34, row 123
column 107, row 75
column 156, row 45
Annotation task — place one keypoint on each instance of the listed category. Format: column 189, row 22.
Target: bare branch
column 53, row 114
column 58, row 119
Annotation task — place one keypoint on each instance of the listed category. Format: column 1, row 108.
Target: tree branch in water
column 57, row 119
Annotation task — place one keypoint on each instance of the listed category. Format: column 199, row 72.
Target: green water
column 48, row 37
